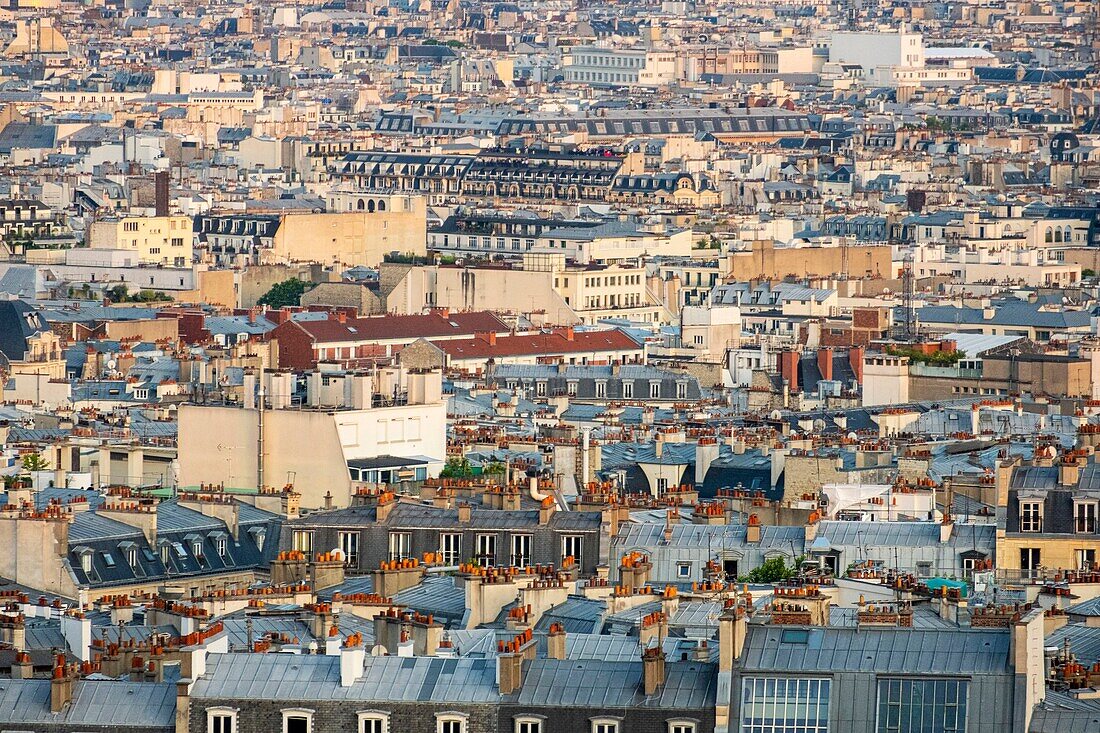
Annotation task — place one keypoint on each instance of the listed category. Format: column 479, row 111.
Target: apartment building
column 598, row 66
column 156, row 240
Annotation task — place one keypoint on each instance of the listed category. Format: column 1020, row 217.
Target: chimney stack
column 653, row 670
column 61, row 686
column 555, row 642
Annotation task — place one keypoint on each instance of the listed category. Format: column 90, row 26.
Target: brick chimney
column 653, row 670
column 327, row 570
column 488, row 337
column 825, row 363
column 788, row 369
column 23, row 668
column 555, row 642
column 61, row 686
column 634, row 571
column 855, row 361
column 753, row 530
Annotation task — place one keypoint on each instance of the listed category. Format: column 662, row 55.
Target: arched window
column 1050, row 235
column 360, row 205
column 1068, row 236
column 370, row 206
column 381, row 205
column 1057, row 235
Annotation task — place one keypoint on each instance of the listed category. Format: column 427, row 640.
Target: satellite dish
column 111, row 363
column 378, row 650
column 852, row 436
column 819, row 424
column 776, row 415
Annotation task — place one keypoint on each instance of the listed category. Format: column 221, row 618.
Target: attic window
column 108, row 560
column 795, row 636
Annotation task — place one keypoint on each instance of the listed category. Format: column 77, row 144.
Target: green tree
column 772, row 570
column 457, row 468
column 117, row 294
column 288, row 292
column 494, row 468
column 35, row 462
column 1088, row 272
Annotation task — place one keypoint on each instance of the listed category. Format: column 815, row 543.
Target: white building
column 877, row 51
column 619, row 66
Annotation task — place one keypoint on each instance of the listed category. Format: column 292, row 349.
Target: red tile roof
column 539, row 344
column 407, row 328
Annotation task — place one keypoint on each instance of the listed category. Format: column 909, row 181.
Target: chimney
column 733, row 628
column 1069, row 470
column 946, row 527
column 569, row 334
column 555, row 642
column 13, row 631
column 706, row 453
column 546, row 510
column 327, row 570
column 788, row 369
column 653, row 670
column 160, row 187
column 465, row 512
column 352, row 658
column 753, row 530
column 341, row 316
column 825, row 363
column 23, row 669
column 812, row 527
column 488, row 337
column 855, row 361
column 61, row 686
column 510, row 669
column 634, row 571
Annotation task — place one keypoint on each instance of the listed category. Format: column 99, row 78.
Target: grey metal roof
column 90, row 527
column 609, row 685
column 317, row 677
column 94, row 703
column 913, row 652
column 436, row 595
column 1060, row 713
column 1084, row 641
column 576, row 615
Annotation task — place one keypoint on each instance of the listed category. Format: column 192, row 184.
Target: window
column 400, row 545
column 1030, row 558
column 450, row 723
column 521, row 550
column 450, row 546
column 571, row 545
column 1031, row 516
column 921, row 706
column 196, row 548
column 605, row 725
column 349, row 546
column 678, row 726
column 1086, row 559
column 371, row 721
column 529, row 724
column 601, row 390
column 784, row 705
column 1084, row 517
column 297, row 720
column 628, row 390
column 131, row 557
column 540, row 389
column 108, row 559
column 303, row 541
column 221, row 720
column 86, row 562
column 222, row 546
column 654, row 390
column 681, row 390
column 165, row 554
column 486, row 554
column 683, row 570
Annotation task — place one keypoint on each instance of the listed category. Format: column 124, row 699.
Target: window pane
column 922, row 706
column 785, row 705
